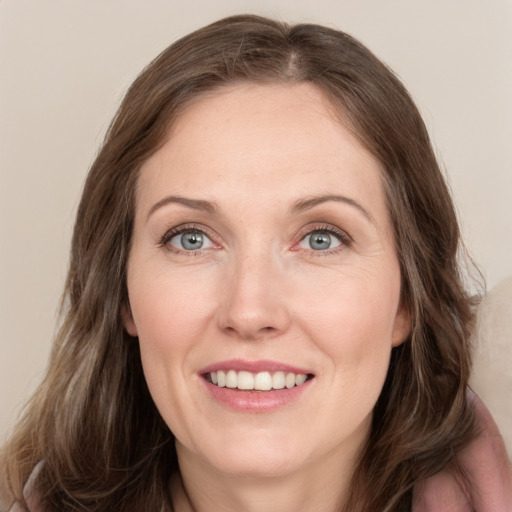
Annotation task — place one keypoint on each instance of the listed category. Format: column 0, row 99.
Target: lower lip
column 256, row 401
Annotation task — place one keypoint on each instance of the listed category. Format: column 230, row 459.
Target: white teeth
column 290, row 380
column 262, row 381
column 245, row 380
column 231, row 379
column 278, row 380
column 300, row 379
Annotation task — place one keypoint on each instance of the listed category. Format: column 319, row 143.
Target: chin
column 259, row 456
column 261, row 467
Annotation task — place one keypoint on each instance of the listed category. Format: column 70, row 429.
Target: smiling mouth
column 261, row 381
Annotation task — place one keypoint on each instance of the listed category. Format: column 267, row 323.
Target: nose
column 255, row 303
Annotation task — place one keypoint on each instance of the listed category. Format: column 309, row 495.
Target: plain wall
column 64, row 66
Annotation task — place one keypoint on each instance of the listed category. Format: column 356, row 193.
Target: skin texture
column 258, row 291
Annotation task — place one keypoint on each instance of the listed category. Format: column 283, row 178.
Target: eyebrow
column 307, row 203
column 299, row 206
column 195, row 204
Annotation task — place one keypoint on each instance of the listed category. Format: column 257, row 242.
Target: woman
column 264, row 308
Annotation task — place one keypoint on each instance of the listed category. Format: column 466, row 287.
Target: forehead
column 269, row 111
column 276, row 140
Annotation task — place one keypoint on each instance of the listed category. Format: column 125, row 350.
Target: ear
column 128, row 322
column 402, row 327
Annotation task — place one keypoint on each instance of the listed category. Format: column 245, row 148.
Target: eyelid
column 344, row 238
column 185, row 228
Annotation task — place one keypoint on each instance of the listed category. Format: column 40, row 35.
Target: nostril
column 267, row 332
column 248, row 333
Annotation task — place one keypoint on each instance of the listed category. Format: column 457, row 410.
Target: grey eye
column 319, row 241
column 190, row 241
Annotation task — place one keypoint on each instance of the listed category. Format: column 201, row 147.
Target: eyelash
column 344, row 238
column 180, row 230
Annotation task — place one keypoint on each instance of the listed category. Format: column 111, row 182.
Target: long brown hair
column 92, row 420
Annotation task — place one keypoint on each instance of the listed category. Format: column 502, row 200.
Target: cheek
column 170, row 308
column 354, row 308
column 171, row 311
column 352, row 321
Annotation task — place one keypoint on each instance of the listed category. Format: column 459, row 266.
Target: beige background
column 64, row 66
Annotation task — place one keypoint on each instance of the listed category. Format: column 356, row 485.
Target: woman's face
column 263, row 257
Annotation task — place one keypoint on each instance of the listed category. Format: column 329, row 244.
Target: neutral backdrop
column 64, row 66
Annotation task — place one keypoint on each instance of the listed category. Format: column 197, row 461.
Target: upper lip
column 253, row 367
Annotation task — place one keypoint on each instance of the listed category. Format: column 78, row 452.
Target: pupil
column 320, row 241
column 192, row 240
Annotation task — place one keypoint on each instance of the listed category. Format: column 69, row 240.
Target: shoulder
column 29, row 493
column 480, row 478
column 17, row 508
column 492, row 342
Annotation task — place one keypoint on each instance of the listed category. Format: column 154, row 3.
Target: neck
column 322, row 486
